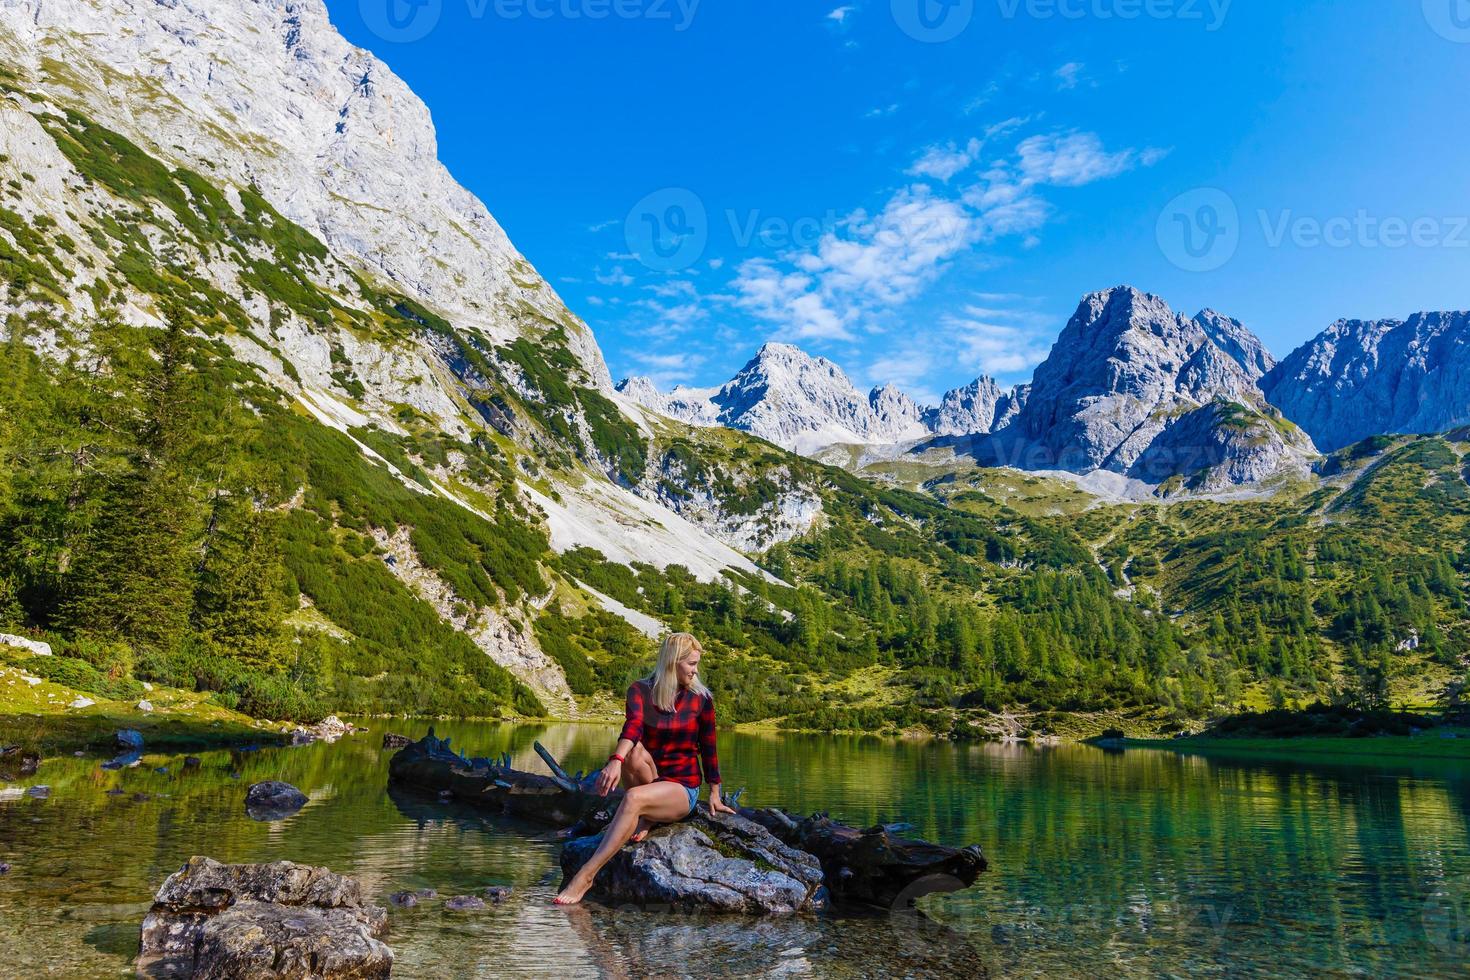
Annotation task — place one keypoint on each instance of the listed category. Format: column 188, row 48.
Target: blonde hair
column 676, row 648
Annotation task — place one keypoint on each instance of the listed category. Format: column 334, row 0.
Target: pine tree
column 132, row 578
column 238, row 602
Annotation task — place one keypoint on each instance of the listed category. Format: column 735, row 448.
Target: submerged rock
column 403, row 900
column 273, row 800
column 727, row 865
column 125, row 761
column 394, row 741
column 17, row 763
column 212, row 920
column 465, row 903
column 497, row 893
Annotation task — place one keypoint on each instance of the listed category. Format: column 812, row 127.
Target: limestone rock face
column 267, row 94
column 258, row 921
column 1360, row 378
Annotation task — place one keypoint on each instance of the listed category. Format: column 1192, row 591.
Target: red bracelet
column 615, row 756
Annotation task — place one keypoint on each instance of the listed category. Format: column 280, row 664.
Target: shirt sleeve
column 633, row 727
column 707, row 757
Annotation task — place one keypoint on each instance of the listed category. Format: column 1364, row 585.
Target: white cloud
column 943, row 162
column 667, row 370
column 617, row 277
column 1071, row 159
column 841, row 14
column 787, row 298
column 602, row 226
column 1069, row 75
column 882, row 111
column 994, row 348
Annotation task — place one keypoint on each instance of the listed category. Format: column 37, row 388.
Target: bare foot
column 641, row 833
column 572, row 894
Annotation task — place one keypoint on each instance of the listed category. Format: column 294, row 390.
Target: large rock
column 34, row 647
column 256, row 921
column 729, row 864
column 273, row 800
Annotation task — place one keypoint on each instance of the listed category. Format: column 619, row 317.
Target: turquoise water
column 1140, row 863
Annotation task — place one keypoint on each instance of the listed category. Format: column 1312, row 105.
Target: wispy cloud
column 603, row 226
column 882, row 112
column 944, row 162
column 998, row 342
column 841, row 14
column 667, row 370
column 617, row 277
column 1071, row 159
column 1068, row 76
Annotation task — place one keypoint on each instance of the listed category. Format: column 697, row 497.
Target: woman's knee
column 636, row 798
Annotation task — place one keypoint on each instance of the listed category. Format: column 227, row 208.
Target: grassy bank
column 38, row 714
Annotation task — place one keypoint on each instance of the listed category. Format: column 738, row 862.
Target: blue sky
column 923, row 189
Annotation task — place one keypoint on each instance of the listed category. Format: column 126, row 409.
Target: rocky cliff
column 1360, row 378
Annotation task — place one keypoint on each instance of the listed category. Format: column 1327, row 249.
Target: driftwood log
column 874, row 866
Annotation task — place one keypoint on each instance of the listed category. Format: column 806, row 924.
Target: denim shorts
column 693, row 797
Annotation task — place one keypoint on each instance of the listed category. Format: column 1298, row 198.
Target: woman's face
column 688, row 669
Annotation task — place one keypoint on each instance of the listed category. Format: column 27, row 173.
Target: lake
column 1139, row 863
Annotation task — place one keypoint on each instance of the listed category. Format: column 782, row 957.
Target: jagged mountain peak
column 1360, row 378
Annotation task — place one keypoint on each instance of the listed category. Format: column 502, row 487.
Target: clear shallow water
column 1142, row 863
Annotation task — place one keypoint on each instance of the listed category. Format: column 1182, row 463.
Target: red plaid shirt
column 675, row 738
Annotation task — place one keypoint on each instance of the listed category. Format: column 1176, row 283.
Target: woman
column 668, row 736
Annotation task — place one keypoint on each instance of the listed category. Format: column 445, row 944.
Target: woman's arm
column 709, row 760
column 612, row 773
column 632, row 734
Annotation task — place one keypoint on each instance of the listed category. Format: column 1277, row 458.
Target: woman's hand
column 718, row 805
column 611, row 775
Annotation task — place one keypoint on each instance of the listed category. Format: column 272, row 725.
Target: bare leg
column 656, row 802
column 640, row 771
